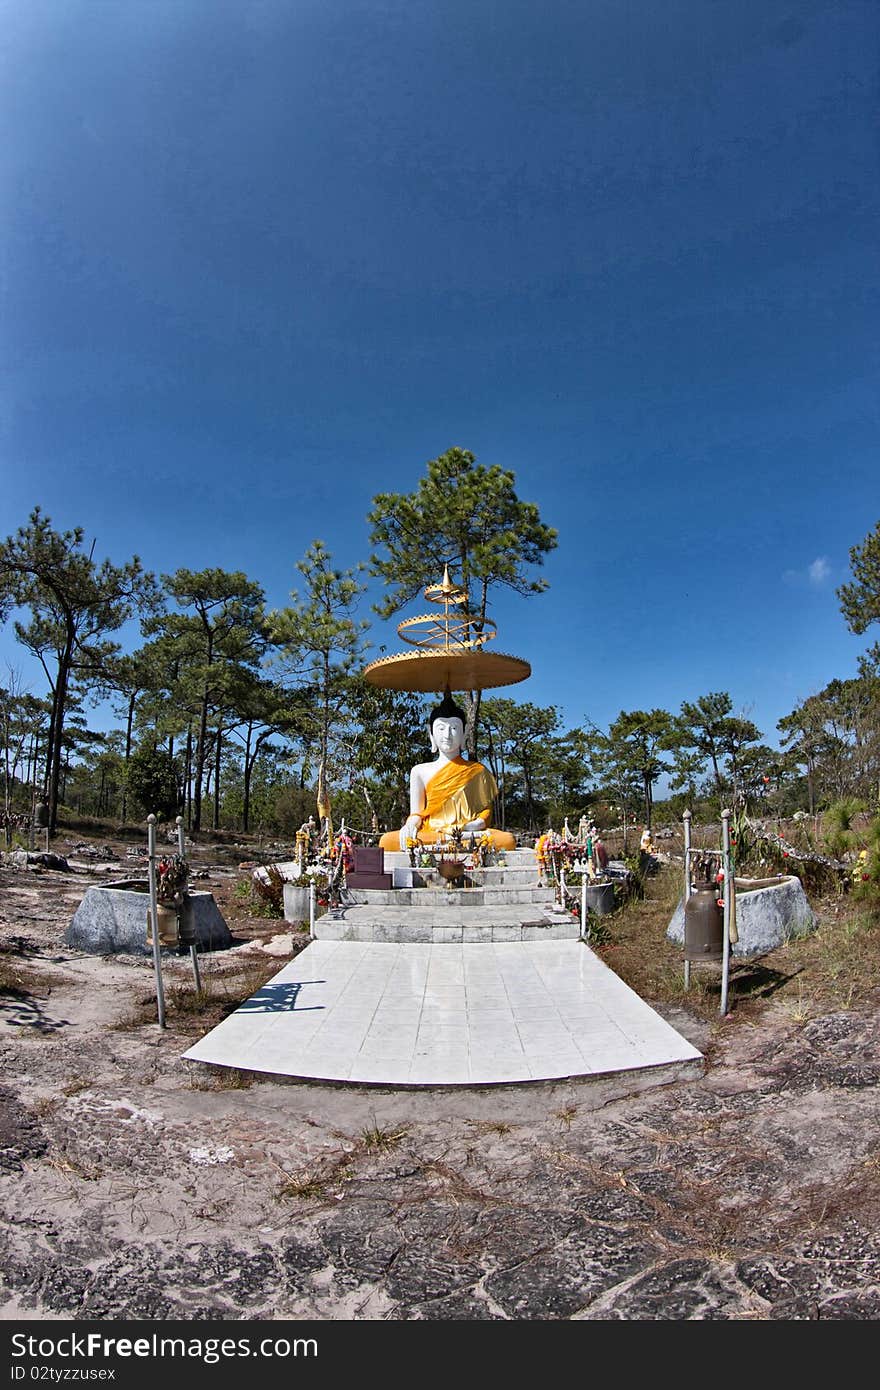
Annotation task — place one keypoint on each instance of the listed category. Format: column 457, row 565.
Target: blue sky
column 264, row 260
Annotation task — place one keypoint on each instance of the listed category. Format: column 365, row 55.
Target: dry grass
column 499, row 1127
column 565, row 1115
column 220, row 1079
column 836, row 967
column 304, row 1186
column 75, row 1085
column 189, row 1010
column 17, row 977
column 375, row 1139
column 839, row 964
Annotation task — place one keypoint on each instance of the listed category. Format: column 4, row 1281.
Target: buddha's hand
column 478, row 824
column 410, row 830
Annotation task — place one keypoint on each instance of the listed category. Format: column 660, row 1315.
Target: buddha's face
column 448, row 736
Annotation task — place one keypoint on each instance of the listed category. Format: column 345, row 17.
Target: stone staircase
column 499, row 903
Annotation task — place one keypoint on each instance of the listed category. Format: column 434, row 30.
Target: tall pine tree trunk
column 215, row 819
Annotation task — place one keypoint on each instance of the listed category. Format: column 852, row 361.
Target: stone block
column 481, row 934
column 369, row 859
column 447, row 934
column 358, row 879
column 296, row 903
column 396, row 932
column 113, row 918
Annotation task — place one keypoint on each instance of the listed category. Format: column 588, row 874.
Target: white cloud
column 815, row 574
column 819, row 570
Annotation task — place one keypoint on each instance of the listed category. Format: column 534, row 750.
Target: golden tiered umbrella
column 450, row 653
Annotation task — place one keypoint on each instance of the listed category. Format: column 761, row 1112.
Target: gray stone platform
column 113, row 918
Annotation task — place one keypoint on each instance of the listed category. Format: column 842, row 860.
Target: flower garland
column 172, row 875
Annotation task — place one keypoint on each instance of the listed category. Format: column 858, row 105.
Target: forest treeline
column 234, row 715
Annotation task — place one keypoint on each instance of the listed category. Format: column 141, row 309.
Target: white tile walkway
column 451, row 1015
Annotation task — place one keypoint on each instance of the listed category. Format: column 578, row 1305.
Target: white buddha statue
column 449, row 793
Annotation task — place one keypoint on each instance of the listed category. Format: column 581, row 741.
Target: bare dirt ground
column 136, row 1185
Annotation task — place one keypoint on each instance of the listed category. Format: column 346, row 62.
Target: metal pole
column 584, row 932
column 725, row 960
column 312, row 908
column 687, row 885
column 154, row 917
column 193, row 953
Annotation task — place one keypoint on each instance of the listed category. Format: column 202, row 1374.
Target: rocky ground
column 135, row 1185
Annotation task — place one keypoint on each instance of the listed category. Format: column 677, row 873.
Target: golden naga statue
column 450, row 793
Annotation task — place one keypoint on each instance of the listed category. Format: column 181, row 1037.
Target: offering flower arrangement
column 172, row 876
column 558, row 856
column 343, row 847
column 324, row 867
column 475, row 851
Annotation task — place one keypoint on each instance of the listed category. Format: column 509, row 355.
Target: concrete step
column 443, row 899
column 425, row 924
column 474, row 878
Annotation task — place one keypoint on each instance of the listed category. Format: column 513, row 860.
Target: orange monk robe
column 458, row 792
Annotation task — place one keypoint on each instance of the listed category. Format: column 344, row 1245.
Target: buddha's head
column 446, row 723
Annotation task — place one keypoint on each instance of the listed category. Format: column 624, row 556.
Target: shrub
column 270, row 890
column 838, row 825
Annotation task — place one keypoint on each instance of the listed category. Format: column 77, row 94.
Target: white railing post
column 154, row 917
column 687, row 885
column 193, row 953
column 725, row 958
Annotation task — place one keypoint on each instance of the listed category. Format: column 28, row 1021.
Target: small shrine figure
column 566, row 832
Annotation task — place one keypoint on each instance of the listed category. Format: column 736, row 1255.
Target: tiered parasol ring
column 450, row 651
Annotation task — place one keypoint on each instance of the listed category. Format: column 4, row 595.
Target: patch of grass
column 74, row 1086
column 187, row 1008
column 186, row 999
column 375, row 1139
column 210, row 1078
column 799, row 1009
column 231, row 1079
column 71, row 1167
column 261, row 899
column 141, row 1013
column 499, row 1127
column 566, row 1115
column 16, row 977
column 44, row 1106
column 841, row 961
column 303, row 1186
